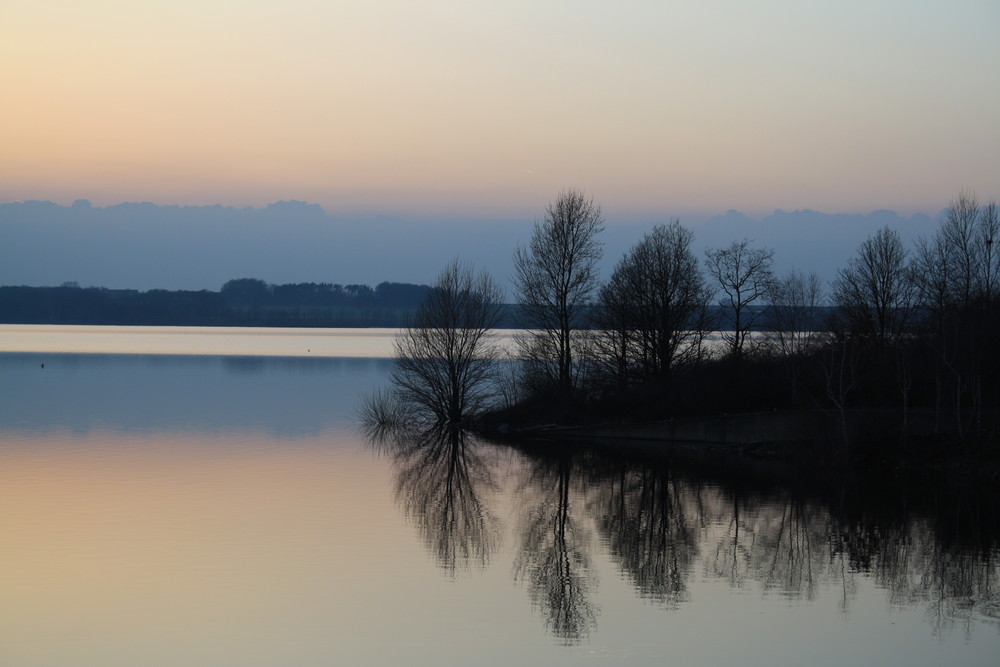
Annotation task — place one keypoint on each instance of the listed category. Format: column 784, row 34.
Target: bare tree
column 795, row 322
column 933, row 276
column 556, row 276
column 614, row 340
column 989, row 239
column 795, row 304
column 958, row 279
column 444, row 358
column 648, row 309
column 745, row 276
column 875, row 293
column 965, row 247
column 840, row 366
column 958, row 235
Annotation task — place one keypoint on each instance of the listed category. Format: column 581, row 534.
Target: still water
column 186, row 506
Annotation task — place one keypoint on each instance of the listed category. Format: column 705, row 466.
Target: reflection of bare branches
column 782, row 544
column 649, row 533
column 958, row 587
column 553, row 558
column 654, row 522
column 439, row 481
column 962, row 589
column 793, row 551
column 733, row 552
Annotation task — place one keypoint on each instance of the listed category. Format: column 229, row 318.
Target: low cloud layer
column 146, row 246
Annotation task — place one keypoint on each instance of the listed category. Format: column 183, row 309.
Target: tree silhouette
column 875, row 293
column 648, row 315
column 744, row 275
column 556, row 276
column 444, row 358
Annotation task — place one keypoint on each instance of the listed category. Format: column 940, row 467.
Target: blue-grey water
column 208, row 509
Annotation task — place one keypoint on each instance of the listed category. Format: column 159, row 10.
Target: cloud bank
column 146, row 246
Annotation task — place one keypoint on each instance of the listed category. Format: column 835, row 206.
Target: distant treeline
column 249, row 302
column 242, row 302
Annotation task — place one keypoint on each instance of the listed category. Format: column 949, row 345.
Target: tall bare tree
column 963, row 259
column 648, row 310
column 876, row 299
column 795, row 321
column 555, row 276
column 875, row 293
column 745, row 276
column 989, row 237
column 958, row 279
column 614, row 341
column 444, row 358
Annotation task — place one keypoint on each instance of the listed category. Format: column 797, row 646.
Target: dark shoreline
column 785, row 443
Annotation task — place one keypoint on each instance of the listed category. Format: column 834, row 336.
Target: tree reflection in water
column 553, row 558
column 787, row 548
column 927, row 543
column 957, row 584
column 641, row 514
column 441, row 477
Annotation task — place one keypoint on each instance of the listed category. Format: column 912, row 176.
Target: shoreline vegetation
column 893, row 367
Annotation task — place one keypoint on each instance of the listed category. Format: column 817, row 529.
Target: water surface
column 163, row 509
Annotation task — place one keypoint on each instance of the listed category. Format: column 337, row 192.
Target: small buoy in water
column 43, row 365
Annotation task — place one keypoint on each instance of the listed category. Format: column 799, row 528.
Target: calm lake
column 205, row 497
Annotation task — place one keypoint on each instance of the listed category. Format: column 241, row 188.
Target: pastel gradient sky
column 488, row 109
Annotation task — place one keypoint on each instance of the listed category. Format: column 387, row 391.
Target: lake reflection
column 225, row 511
column 554, row 548
column 442, row 481
column 669, row 528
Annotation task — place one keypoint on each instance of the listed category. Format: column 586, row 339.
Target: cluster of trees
column 653, row 316
column 250, row 292
column 72, row 304
column 925, row 320
column 244, row 302
column 897, row 328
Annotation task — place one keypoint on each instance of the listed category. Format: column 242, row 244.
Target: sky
column 487, row 110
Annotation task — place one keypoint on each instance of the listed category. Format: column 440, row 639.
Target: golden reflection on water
column 192, row 542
